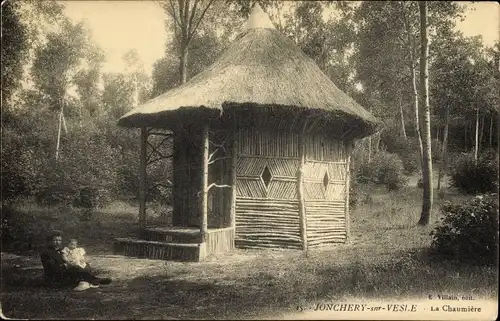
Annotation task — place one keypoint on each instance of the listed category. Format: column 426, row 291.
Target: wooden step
column 158, row 250
column 172, row 235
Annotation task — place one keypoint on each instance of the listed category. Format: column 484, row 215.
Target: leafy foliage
column 468, row 231
column 384, row 169
column 14, row 47
column 55, row 63
column 406, row 149
column 471, row 177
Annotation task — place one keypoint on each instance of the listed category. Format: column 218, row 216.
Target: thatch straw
column 261, row 68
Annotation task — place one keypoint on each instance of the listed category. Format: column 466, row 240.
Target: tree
column 56, row 62
column 186, row 17
column 426, row 126
column 459, row 87
column 134, row 69
column 215, row 32
column 14, row 50
column 87, row 81
column 117, row 95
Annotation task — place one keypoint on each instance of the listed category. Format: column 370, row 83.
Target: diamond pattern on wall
column 326, row 179
column 266, row 176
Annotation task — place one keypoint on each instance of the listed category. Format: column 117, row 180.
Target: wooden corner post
column 234, row 163
column 204, row 182
column 142, row 177
column 349, row 148
column 300, row 191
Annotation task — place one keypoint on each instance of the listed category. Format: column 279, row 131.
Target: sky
column 119, row 26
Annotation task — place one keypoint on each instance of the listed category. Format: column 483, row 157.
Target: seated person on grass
column 74, row 255
column 58, row 273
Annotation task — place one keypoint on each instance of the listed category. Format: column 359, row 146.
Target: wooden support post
column 234, row 162
column 204, row 183
column 142, row 177
column 347, row 182
column 300, row 193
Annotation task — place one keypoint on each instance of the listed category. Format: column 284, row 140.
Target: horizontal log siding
column 267, row 223
column 156, row 250
column 268, row 216
column 326, row 160
column 326, row 222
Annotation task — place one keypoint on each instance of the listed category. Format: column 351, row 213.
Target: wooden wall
column 325, row 171
column 186, row 176
column 268, row 215
column 267, row 200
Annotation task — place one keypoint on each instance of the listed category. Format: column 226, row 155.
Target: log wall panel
column 268, row 216
column 325, row 222
column 267, row 223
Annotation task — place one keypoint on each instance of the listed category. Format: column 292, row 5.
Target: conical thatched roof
column 261, row 68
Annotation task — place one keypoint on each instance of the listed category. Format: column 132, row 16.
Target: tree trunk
column 476, row 144
column 403, row 127
column 370, row 145
column 481, row 130
column 377, row 142
column 412, row 48
column 424, row 92
column 465, row 137
column 204, row 183
column 142, row 177
column 491, row 131
column 183, row 64
column 59, row 132
column 444, row 150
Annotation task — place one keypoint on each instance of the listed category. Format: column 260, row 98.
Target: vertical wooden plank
column 234, row 163
column 204, row 183
column 177, row 180
column 142, row 177
column 300, row 192
column 347, row 182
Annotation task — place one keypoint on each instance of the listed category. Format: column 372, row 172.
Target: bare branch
column 190, row 35
column 212, row 155
column 172, row 7
column 158, row 158
column 218, row 186
column 186, row 15
column 217, row 159
column 161, row 134
column 182, row 20
column 160, row 3
column 193, row 11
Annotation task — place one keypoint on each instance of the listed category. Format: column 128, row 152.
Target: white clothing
column 75, row 256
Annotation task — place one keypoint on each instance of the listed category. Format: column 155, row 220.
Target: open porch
column 176, row 243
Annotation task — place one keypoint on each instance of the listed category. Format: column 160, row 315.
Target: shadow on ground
column 259, row 286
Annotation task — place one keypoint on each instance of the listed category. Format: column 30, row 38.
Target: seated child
column 74, row 255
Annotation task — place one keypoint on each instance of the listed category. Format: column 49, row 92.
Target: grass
column 387, row 258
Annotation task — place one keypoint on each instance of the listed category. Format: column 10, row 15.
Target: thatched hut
column 261, row 151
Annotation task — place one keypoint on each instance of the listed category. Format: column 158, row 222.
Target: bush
column 407, row 149
column 468, row 232
column 472, row 177
column 384, row 169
